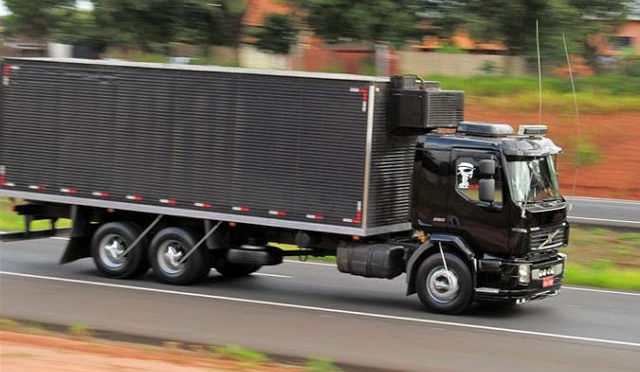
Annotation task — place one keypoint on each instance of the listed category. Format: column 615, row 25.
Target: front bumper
column 499, row 280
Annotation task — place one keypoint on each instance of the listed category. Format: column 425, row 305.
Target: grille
column 543, row 235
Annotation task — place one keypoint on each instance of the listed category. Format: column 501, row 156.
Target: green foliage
column 79, row 28
column 589, row 103
column 239, row 354
column 145, row 22
column 599, row 231
column 79, row 330
column 513, row 22
column 490, row 67
column 320, row 365
column 362, row 20
column 277, row 34
column 35, row 18
column 630, row 237
column 450, row 48
column 585, row 153
column 9, row 325
column 603, row 275
column 607, row 84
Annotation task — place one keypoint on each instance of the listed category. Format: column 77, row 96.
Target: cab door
column 484, row 224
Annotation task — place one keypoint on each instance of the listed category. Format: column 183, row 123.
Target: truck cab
column 491, row 196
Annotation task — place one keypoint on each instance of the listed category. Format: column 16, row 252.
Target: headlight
column 524, row 273
column 558, row 269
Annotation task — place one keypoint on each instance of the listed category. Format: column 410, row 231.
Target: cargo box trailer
column 184, row 168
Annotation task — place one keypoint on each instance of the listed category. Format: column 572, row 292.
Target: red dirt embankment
column 616, row 137
column 22, row 352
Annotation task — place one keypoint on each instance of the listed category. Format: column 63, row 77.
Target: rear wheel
column 108, row 247
column 167, row 251
column 444, row 289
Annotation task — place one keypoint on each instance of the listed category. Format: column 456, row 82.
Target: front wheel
column 444, row 289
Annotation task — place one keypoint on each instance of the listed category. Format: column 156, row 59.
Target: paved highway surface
column 309, row 309
column 605, row 212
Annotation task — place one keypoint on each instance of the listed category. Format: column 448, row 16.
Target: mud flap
column 79, row 245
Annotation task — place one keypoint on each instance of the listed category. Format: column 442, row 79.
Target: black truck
column 185, row 168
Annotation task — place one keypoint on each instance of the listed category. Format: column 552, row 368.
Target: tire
column 112, row 239
column 444, row 292
column 168, row 247
column 232, row 270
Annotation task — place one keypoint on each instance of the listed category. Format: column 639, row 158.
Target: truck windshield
column 533, row 180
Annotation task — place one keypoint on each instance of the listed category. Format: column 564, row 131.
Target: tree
column 383, row 20
column 35, row 18
column 79, row 28
column 147, row 22
column 277, row 34
column 513, row 22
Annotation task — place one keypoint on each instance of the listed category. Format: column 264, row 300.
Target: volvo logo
column 549, row 238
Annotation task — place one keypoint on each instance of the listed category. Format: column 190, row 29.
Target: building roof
column 463, row 41
column 257, row 10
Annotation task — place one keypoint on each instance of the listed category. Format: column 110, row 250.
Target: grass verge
column 603, row 94
column 10, row 221
column 78, row 343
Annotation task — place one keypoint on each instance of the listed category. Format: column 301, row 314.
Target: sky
column 82, row 4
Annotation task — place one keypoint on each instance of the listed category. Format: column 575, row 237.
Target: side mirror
column 487, row 189
column 487, row 167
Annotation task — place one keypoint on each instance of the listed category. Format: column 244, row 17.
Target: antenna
column 523, row 208
column 539, row 75
column 575, row 103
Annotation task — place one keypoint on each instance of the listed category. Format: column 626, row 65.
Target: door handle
column 453, row 221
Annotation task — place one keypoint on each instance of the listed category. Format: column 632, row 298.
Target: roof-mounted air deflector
column 416, row 105
column 484, row 129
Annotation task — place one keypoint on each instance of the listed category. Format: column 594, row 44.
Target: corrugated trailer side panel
column 282, row 147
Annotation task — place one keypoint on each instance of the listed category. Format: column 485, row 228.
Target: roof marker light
column 134, row 197
column 202, row 205
column 168, row 201
column 102, row 194
column 69, row 191
column 36, row 187
column 277, row 213
column 241, row 209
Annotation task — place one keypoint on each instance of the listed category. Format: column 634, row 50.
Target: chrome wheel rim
column 112, row 247
column 169, row 255
column 442, row 285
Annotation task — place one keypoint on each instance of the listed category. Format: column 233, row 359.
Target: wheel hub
column 442, row 285
column 169, row 256
column 111, row 249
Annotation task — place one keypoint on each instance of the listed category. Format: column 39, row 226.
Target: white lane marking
column 311, row 263
column 601, row 200
column 329, row 310
column 59, row 238
column 273, row 275
column 603, row 220
column 601, row 291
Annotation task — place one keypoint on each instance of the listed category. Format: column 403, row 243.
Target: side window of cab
column 468, row 178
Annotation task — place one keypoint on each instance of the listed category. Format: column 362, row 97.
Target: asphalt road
column 309, row 309
column 605, row 212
